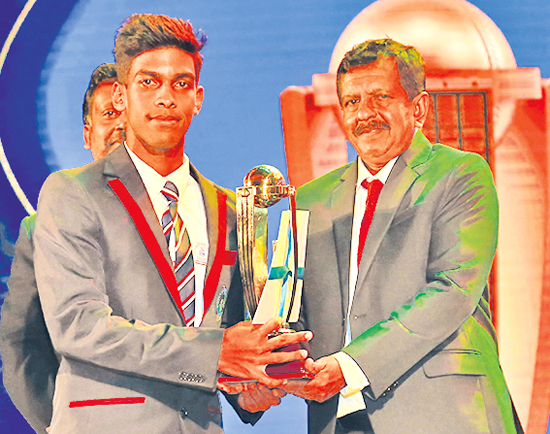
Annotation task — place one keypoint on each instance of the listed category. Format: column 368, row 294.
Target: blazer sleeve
column 70, row 253
column 462, row 243
column 29, row 364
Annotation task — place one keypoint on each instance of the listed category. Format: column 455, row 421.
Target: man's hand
column 247, row 350
column 254, row 397
column 328, row 380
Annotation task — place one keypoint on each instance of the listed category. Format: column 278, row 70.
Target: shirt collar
column 382, row 175
column 154, row 181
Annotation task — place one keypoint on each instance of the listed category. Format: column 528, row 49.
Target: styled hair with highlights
column 106, row 73
column 409, row 63
column 143, row 32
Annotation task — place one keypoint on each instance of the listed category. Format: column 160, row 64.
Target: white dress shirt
column 351, row 398
column 191, row 210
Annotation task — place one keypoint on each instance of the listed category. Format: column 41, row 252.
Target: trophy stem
column 245, row 236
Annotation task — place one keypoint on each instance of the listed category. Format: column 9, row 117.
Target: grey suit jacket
column 29, row 364
column 128, row 363
column 419, row 331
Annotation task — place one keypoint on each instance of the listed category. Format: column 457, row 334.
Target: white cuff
column 356, row 379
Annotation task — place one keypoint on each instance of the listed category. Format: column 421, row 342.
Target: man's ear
column 421, row 107
column 87, row 133
column 199, row 98
column 118, row 95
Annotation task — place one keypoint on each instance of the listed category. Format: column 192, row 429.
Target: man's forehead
column 384, row 69
column 102, row 94
column 153, row 62
column 386, row 65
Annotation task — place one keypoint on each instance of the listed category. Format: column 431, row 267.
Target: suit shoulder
column 454, row 156
column 445, row 159
column 79, row 175
column 27, row 225
column 67, row 188
column 465, row 173
column 320, row 187
column 230, row 194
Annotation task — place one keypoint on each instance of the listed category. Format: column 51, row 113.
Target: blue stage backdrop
column 255, row 50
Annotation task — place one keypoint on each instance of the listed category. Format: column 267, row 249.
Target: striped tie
column 180, row 252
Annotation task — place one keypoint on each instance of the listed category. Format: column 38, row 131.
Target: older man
column 399, row 249
column 103, row 124
column 400, row 246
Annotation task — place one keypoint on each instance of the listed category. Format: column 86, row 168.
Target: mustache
column 367, row 127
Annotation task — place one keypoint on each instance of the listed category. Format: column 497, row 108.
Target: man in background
column 103, row 124
column 29, row 361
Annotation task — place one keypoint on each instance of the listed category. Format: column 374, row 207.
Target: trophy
column 275, row 291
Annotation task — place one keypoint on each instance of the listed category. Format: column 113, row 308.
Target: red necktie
column 373, row 191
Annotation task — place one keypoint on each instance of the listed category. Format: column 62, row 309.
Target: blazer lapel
column 119, row 165
column 402, row 176
column 342, row 199
column 123, row 178
column 219, row 255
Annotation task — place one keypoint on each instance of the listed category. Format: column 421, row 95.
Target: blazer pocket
column 454, row 362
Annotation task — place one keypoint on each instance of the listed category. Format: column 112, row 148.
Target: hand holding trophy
column 274, row 292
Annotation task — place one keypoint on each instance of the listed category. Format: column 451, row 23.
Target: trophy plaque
column 275, row 291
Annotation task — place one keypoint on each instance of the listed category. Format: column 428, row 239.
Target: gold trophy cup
column 263, row 187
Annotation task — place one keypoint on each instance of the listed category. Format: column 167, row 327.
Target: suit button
column 183, row 413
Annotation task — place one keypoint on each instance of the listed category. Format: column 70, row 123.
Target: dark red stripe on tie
column 184, row 302
column 110, row 401
column 185, row 278
column 148, row 238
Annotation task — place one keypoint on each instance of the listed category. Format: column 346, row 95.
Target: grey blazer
column 419, row 330
column 127, row 362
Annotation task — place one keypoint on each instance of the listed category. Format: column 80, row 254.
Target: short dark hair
column 143, row 32
column 106, row 73
column 409, row 63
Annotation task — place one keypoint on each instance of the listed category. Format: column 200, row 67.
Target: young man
column 29, row 363
column 136, row 265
